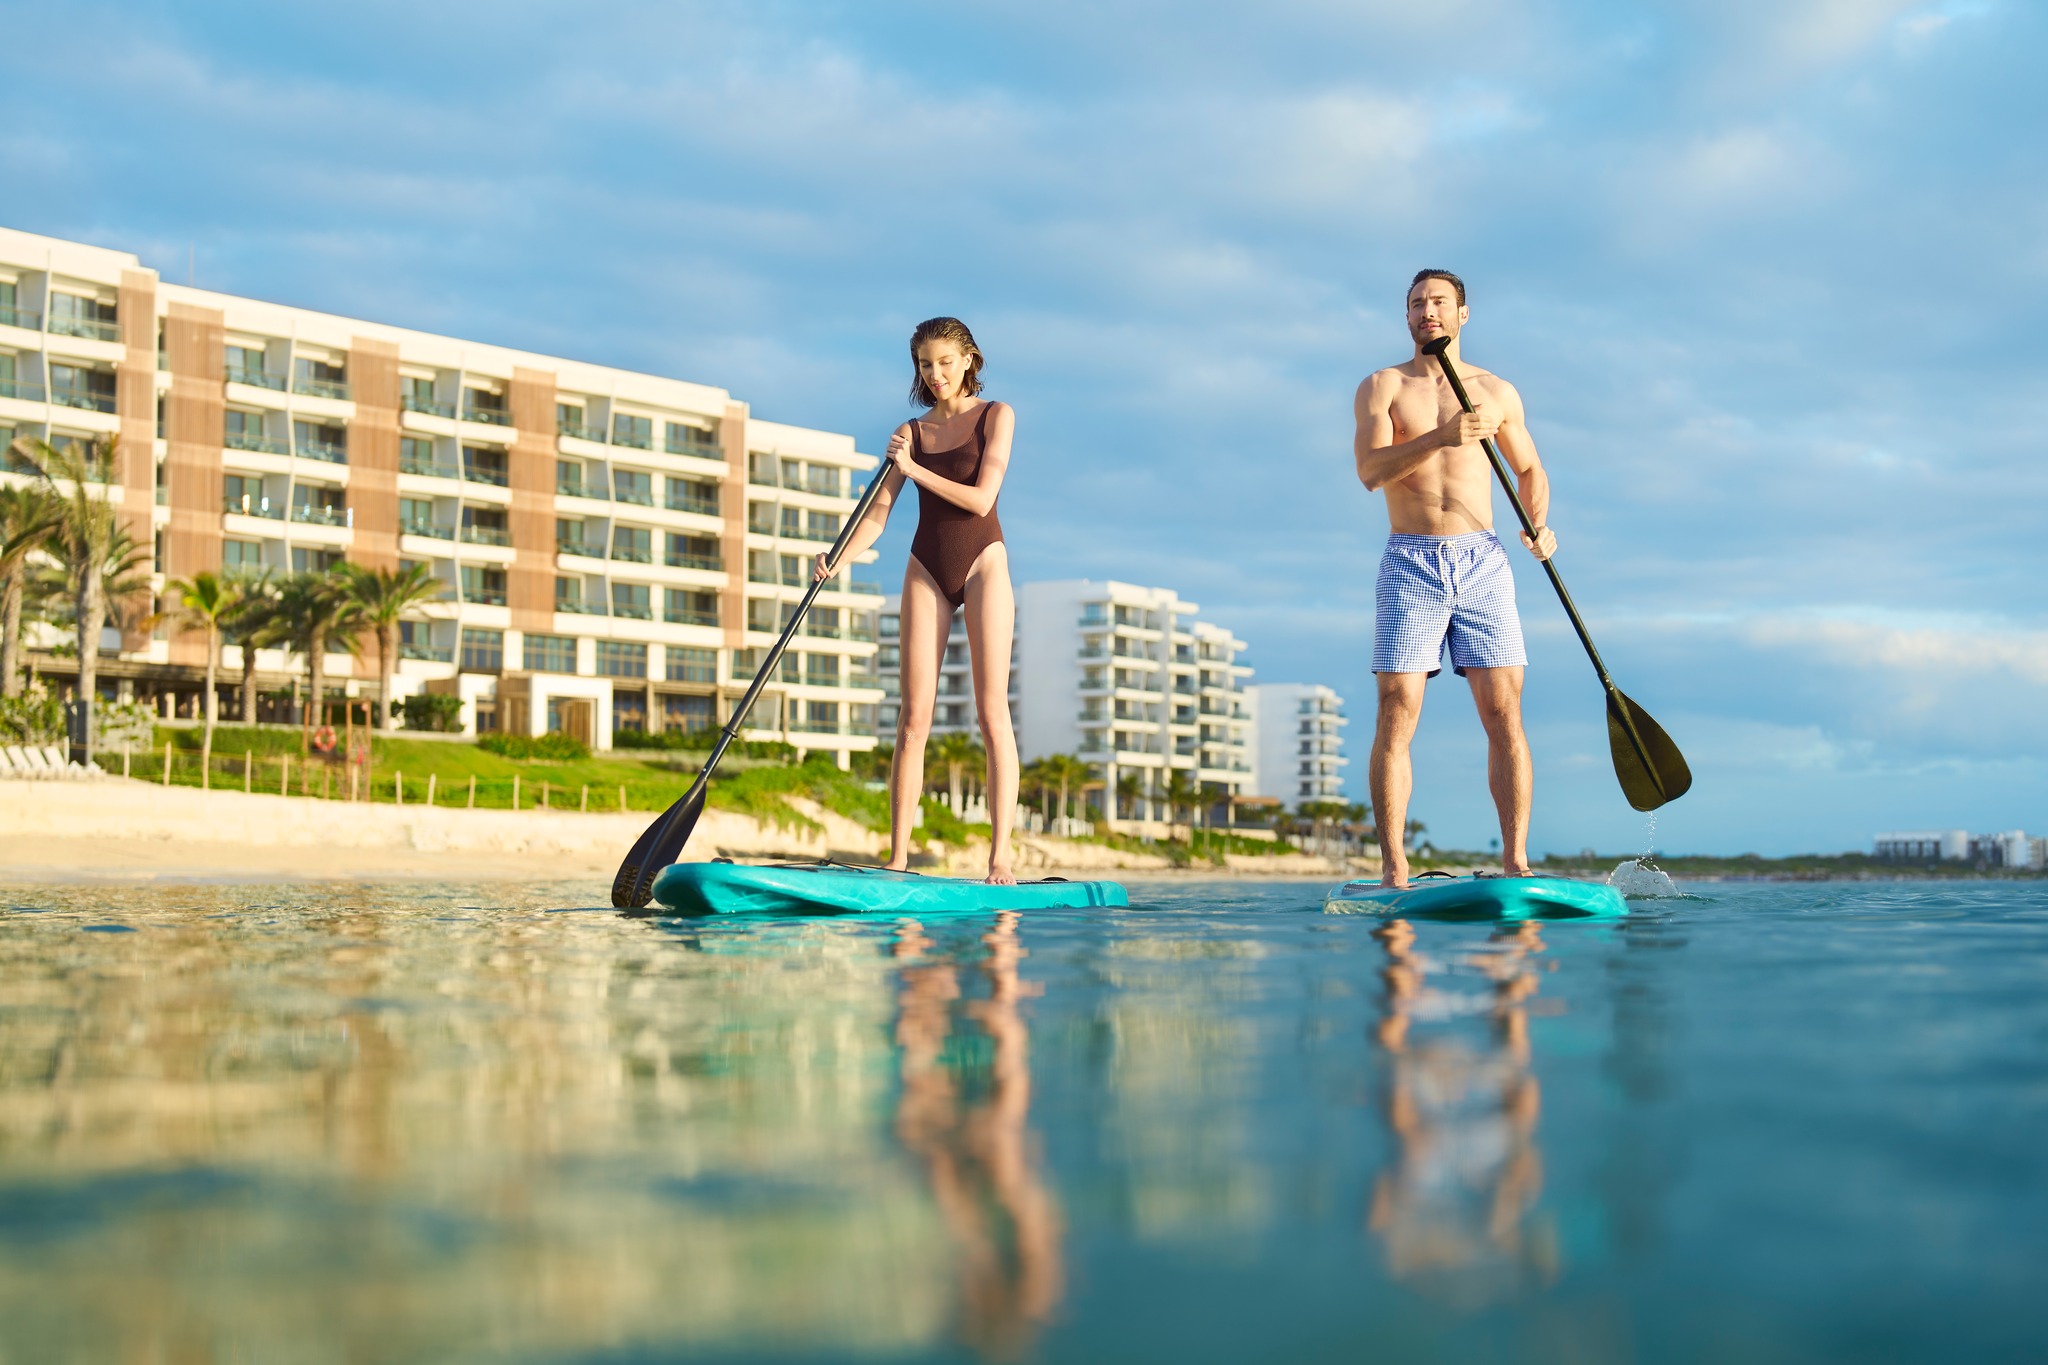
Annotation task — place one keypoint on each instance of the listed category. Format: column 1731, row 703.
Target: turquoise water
column 387, row 1123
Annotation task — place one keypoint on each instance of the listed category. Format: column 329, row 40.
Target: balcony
column 715, row 563
column 703, row 507
column 576, row 606
column 324, row 451
column 321, row 388
column 408, row 464
column 21, row 317
column 579, row 431
column 486, row 535
column 477, row 473
column 864, row 588
column 576, row 488
column 91, row 328
column 576, row 545
column 313, row 514
column 638, row 497
column 494, row 417
column 432, row 408
column 246, row 506
column 13, row 388
column 484, row 597
column 256, row 379
column 433, row 654
column 633, row 611
column 634, row 440
column 816, row 727
column 432, row 530
column 249, row 440
column 681, row 617
column 632, row 554
column 860, row 635
column 703, row 450
column 82, row 398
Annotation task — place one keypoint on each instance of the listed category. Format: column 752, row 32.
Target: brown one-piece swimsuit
column 950, row 538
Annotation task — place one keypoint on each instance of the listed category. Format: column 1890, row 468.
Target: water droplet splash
column 1636, row 879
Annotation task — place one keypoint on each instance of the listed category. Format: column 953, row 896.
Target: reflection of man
column 1444, row 581
column 980, row 1162
column 1467, row 1172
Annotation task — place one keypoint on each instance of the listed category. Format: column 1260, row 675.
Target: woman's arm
column 979, row 496
column 869, row 528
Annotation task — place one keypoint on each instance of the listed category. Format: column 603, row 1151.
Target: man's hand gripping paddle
column 1647, row 763
column 633, row 887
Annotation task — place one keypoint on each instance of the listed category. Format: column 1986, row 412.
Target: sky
column 1768, row 274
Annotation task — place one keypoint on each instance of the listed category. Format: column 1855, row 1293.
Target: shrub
column 435, row 711
column 557, row 747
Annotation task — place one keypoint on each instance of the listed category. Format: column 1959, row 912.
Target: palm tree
column 1180, row 791
column 387, row 596
column 1068, row 773
column 953, row 752
column 317, row 614
column 253, row 624
column 28, row 519
column 98, row 555
column 205, row 601
column 1130, row 787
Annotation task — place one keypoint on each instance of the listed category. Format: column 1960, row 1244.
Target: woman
column 956, row 454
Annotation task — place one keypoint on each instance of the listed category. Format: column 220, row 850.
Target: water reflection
column 965, row 1122
column 1453, row 1211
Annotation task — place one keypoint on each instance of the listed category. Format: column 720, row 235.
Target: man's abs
column 1451, row 494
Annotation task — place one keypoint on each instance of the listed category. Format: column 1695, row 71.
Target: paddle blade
column 1648, row 764
column 655, row 849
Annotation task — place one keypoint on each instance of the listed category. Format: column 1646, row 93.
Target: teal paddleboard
column 1480, row 898
column 720, row 888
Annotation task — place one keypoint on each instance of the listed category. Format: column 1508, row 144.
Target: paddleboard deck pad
column 1503, row 898
column 720, row 888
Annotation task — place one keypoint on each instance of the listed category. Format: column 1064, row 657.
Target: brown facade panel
column 373, row 453
column 195, row 345
column 530, row 585
column 732, row 510
column 135, row 401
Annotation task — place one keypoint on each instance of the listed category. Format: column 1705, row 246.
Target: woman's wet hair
column 944, row 329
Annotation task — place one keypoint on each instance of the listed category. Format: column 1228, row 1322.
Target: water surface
column 393, row 1123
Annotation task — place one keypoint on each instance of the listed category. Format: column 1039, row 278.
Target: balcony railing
column 14, row 388
column 818, row 631
column 486, row 535
column 712, row 562
column 250, row 440
column 255, row 379
column 574, row 545
column 579, row 431
column 638, row 497
column 427, row 405
column 677, row 617
column 576, row 488
column 816, row 727
column 247, row 506
column 323, row 450
column 476, row 473
column 495, row 417
column 320, row 388
column 82, row 398
column 703, row 507
column 484, row 597
column 21, row 317
column 91, row 328
column 867, row 589
column 408, row 464
column 576, row 606
column 860, row 635
column 433, row 654
column 432, row 530
column 633, row 611
column 313, row 514
column 703, row 450
column 632, row 440
column 632, row 554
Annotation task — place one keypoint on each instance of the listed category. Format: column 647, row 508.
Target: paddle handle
column 1507, row 483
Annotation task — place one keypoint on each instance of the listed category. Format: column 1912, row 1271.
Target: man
column 1444, row 580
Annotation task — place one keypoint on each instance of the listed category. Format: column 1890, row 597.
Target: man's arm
column 1378, row 458
column 1518, row 449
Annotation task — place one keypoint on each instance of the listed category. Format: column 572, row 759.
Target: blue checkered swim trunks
column 1439, row 590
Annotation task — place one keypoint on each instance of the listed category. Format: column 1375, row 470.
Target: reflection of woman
column 979, row 1160
column 956, row 454
column 1467, row 1171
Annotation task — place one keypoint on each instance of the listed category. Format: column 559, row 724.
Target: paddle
column 1647, row 764
column 633, row 887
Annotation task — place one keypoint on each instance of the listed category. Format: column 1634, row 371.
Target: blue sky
column 1768, row 273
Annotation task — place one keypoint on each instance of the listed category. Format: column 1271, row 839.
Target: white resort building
column 953, row 710
column 1300, row 745
column 619, row 549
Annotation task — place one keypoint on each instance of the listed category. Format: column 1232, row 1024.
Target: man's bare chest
column 1419, row 408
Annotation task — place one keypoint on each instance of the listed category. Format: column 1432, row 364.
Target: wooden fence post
column 167, row 763
column 472, row 791
column 430, row 787
column 248, row 770
column 515, row 791
column 585, row 807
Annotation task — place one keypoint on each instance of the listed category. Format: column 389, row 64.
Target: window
column 889, row 625
column 81, row 386
column 761, row 468
column 693, row 495
column 822, row 717
column 484, row 405
column 747, row 662
column 689, row 665
column 245, row 366
column 684, row 439
column 244, row 493
column 761, row 615
column 569, row 597
column 792, row 527
column 629, row 712
column 634, row 544
column 689, row 607
column 550, row 653
column 823, row 622
column 632, row 601
column 628, row 430
column 319, row 378
column 486, row 526
column 569, row 479
column 73, row 315
column 634, row 486
column 621, row 659
column 888, row 656
column 245, row 431
column 569, row 419
column 824, row 479
column 320, row 441
column 241, row 554
column 485, row 464
column 691, row 715
column 821, row 670
column 761, row 518
column 416, row 456
column 483, row 586
column 416, row 392
column 314, row 561
column 569, row 536
column 693, row 552
column 793, row 575
column 416, row 516
column 318, row 505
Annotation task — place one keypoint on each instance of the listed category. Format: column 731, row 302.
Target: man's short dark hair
column 1444, row 275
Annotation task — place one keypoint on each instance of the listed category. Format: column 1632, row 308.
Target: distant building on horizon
column 2009, row 848
column 1299, row 745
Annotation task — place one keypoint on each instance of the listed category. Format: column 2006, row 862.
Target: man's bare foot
column 1396, row 877
column 999, row 874
column 1522, row 871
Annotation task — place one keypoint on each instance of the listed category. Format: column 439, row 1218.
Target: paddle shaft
column 746, row 704
column 1507, row 483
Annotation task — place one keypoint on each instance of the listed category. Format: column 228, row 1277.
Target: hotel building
column 1300, row 742
column 953, row 710
column 618, row 548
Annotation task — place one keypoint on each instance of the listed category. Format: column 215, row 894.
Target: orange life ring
column 323, row 739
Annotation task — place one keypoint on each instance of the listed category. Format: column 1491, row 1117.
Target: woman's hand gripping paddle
column 633, row 887
column 1647, row 763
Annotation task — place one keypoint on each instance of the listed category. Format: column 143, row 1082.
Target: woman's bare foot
column 896, row 865
column 999, row 874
